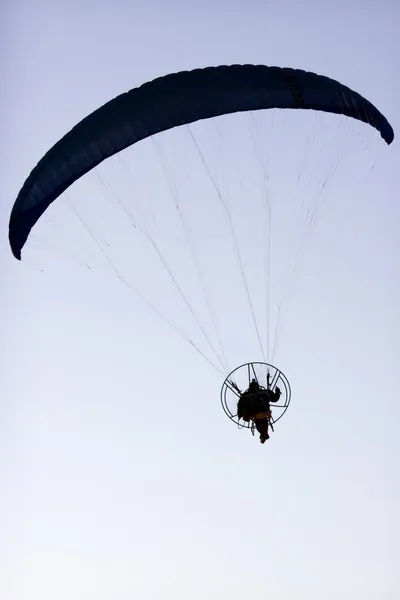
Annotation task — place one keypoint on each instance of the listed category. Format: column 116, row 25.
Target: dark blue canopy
column 167, row 102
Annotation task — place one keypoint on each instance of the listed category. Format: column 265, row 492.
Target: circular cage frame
column 276, row 378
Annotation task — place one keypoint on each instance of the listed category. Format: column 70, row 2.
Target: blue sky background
column 120, row 474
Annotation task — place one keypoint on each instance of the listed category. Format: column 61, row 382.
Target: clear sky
column 120, row 475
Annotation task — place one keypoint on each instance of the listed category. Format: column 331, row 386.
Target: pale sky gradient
column 104, row 494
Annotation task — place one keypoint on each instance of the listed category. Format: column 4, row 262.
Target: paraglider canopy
column 171, row 101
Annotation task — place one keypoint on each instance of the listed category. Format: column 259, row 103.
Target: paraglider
column 167, row 103
column 254, row 404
